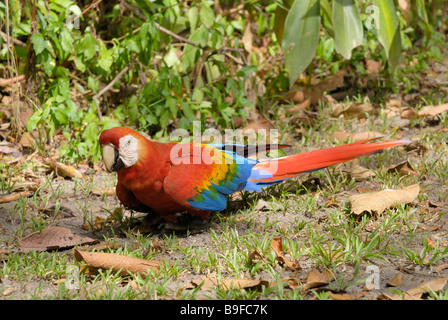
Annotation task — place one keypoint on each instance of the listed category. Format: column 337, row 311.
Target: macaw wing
column 202, row 176
column 247, row 150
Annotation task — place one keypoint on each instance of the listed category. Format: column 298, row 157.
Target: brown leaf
column 258, row 125
column 63, row 212
column 277, row 246
column 358, row 110
column 64, row 170
column 373, row 67
column 26, row 185
column 396, row 281
column 405, row 8
column 247, row 37
column 315, row 92
column 294, row 96
column 105, row 191
column 431, row 243
column 27, row 140
column 434, row 285
column 340, row 296
column 377, row 202
column 429, row 111
column 344, row 136
column 253, row 255
column 241, row 283
column 263, row 205
column 206, row 283
column 54, row 238
column 317, row 279
column 4, row 255
column 408, row 113
column 15, row 196
column 417, row 147
column 428, row 228
column 298, row 107
column 118, row 263
column 403, row 168
column 361, row 173
column 441, row 267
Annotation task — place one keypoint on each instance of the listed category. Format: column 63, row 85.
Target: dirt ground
column 82, row 203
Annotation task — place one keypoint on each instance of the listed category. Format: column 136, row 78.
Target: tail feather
column 294, row 165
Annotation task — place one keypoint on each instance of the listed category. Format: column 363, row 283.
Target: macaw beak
column 111, row 158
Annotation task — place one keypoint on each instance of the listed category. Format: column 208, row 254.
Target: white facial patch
column 128, row 147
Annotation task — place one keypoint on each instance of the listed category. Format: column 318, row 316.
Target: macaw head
column 120, row 147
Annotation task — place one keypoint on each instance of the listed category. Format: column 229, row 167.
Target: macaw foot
column 179, row 222
column 186, row 223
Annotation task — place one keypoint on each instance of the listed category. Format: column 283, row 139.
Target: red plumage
column 150, row 181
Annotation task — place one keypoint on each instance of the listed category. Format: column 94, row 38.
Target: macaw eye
column 129, row 141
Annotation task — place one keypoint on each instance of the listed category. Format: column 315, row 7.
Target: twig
column 158, row 26
column 107, row 88
column 233, row 10
column 182, row 39
column 14, row 40
column 12, row 62
column 92, row 5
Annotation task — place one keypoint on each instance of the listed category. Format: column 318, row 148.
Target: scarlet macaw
column 150, row 179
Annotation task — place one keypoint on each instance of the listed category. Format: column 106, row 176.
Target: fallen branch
column 7, row 82
column 14, row 40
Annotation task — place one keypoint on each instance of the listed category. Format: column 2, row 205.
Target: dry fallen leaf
column 377, row 202
column 361, row 173
column 105, row 191
column 118, row 263
column 4, row 255
column 344, row 136
column 241, row 283
column 27, row 140
column 15, row 196
column 62, row 212
column 253, row 255
column 396, row 281
column 206, row 283
column 340, row 296
column 373, row 67
column 429, row 111
column 54, row 238
column 263, row 205
column 441, row 267
column 403, row 168
column 417, row 292
column 277, row 246
column 64, row 170
column 434, row 285
column 318, row 279
column 258, row 125
column 358, row 110
column 417, row 147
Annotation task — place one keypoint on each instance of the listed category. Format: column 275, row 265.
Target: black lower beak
column 118, row 163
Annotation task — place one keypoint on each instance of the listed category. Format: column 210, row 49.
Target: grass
column 314, row 233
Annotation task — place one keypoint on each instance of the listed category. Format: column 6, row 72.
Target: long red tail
column 294, row 165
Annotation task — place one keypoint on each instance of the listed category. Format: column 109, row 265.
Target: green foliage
column 297, row 26
column 187, row 62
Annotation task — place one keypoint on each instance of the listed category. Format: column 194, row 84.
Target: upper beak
column 111, row 158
